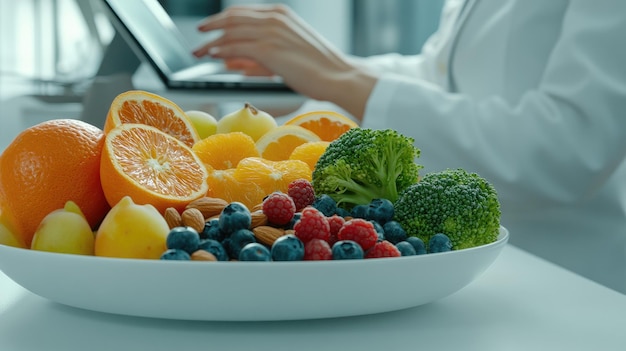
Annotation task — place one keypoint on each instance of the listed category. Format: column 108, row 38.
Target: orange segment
column 151, row 167
column 328, row 125
column 278, row 143
column 309, row 152
column 270, row 175
column 137, row 106
column 224, row 185
column 225, row 150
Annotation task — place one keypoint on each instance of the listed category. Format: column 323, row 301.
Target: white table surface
column 520, row 303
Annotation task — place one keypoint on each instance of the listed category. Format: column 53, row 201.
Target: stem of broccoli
column 354, row 193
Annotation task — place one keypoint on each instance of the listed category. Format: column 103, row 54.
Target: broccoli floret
column 365, row 164
column 462, row 205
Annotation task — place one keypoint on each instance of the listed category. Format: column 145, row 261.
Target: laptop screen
column 154, row 31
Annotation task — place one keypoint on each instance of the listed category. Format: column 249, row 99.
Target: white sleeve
column 394, row 63
column 418, row 66
column 558, row 143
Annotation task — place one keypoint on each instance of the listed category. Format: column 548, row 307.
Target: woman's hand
column 272, row 40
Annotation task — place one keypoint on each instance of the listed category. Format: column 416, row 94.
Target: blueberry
column 214, row 247
column 183, row 238
column 380, row 210
column 325, row 204
column 406, row 249
column 238, row 240
column 175, row 255
column 347, row 250
column 254, row 252
column 379, row 230
column 418, row 244
column 212, row 230
column 287, row 248
column 394, row 233
column 359, row 211
column 233, row 217
column 439, row 243
column 293, row 220
column 342, row 212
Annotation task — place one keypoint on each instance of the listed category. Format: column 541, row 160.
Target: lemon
column 64, row 231
column 8, row 236
column 130, row 230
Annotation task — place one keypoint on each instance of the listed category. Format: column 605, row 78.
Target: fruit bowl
column 246, row 291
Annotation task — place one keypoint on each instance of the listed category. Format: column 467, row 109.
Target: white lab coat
column 530, row 94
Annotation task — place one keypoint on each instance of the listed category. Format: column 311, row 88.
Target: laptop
column 151, row 33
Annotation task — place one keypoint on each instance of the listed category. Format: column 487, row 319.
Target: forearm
column 349, row 89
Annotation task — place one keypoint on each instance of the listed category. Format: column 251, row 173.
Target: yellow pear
column 64, row 231
column 248, row 120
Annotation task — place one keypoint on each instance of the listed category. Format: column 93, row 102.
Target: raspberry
column 383, row 249
column 317, row 250
column 301, row 191
column 312, row 225
column 359, row 230
column 279, row 208
column 335, row 222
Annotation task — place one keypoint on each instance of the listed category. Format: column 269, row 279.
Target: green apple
column 204, row 123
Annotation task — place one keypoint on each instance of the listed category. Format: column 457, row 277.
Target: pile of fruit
column 67, row 186
column 161, row 183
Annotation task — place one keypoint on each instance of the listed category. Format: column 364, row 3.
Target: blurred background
column 52, row 50
column 59, row 43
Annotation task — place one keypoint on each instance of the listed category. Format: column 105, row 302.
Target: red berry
column 301, row 191
column 359, row 230
column 335, row 222
column 383, row 249
column 317, row 250
column 312, row 225
column 279, row 208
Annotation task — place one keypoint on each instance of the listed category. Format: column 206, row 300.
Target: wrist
column 351, row 89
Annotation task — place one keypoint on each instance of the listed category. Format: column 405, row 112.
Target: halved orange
column 150, row 166
column 138, row 106
column 225, row 150
column 278, row 143
column 328, row 125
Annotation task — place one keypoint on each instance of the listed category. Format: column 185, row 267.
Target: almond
column 258, row 218
column 266, row 234
column 208, row 206
column 172, row 217
column 257, row 207
column 192, row 217
column 203, row 255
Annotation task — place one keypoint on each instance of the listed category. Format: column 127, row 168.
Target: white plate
column 246, row 291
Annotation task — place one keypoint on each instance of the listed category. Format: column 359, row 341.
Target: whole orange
column 47, row 165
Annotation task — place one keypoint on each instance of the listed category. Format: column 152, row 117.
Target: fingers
column 232, row 36
column 247, row 66
column 244, row 15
